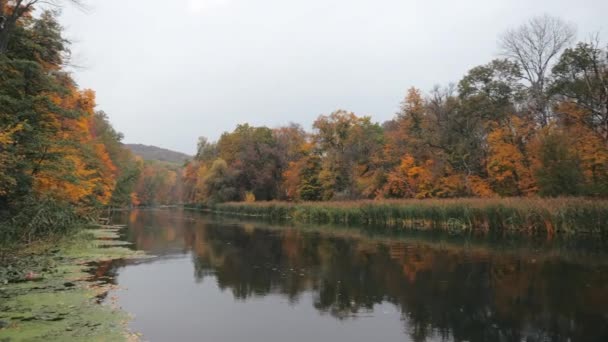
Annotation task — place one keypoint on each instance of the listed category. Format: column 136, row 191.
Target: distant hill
column 157, row 153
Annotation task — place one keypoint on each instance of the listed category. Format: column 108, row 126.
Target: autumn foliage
column 504, row 130
column 501, row 131
column 60, row 159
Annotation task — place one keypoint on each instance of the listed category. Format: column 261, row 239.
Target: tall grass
column 526, row 215
column 36, row 219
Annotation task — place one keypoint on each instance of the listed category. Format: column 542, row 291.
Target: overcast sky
column 167, row 72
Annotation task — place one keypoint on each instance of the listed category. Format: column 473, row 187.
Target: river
column 221, row 279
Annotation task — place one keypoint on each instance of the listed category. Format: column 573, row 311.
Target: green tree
column 581, row 76
column 351, row 149
column 13, row 12
column 310, row 188
column 29, row 85
column 219, row 183
column 254, row 156
column 559, row 173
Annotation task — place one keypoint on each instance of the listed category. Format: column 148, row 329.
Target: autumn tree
column 301, row 177
column 191, row 175
column 349, row 145
column 206, row 151
column 581, row 77
column 11, row 11
column 8, row 160
column 405, row 133
column 534, row 122
column 291, row 140
column 294, row 150
column 510, row 171
column 590, row 146
column 454, row 135
column 253, row 153
column 410, row 180
column 220, row 183
column 60, row 158
column 27, row 90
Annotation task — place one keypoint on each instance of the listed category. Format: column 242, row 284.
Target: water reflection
column 442, row 291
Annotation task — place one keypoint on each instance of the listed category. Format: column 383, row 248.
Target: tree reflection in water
column 444, row 290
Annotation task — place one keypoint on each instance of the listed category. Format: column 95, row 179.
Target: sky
column 168, row 72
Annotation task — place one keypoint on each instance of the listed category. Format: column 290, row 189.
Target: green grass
column 522, row 215
column 33, row 220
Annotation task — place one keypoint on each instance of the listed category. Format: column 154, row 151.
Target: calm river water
column 218, row 279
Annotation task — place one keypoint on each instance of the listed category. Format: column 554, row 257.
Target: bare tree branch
column 534, row 46
column 17, row 9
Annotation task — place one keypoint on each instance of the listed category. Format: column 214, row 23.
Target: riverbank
column 516, row 215
column 46, row 295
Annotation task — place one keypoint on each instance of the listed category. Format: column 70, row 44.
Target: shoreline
column 48, row 293
column 523, row 216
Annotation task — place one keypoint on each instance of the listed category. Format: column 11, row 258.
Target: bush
column 34, row 219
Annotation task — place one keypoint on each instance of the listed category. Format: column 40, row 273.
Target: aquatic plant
column 529, row 215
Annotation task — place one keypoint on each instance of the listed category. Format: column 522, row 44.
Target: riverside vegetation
column 516, row 215
column 522, row 126
column 61, row 161
column 61, row 165
column 500, row 145
column 47, row 296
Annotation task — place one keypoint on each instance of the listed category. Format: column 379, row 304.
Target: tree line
column 60, row 159
column 533, row 122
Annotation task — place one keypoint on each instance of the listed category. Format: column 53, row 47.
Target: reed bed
column 526, row 215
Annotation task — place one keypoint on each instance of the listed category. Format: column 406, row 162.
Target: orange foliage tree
column 509, row 165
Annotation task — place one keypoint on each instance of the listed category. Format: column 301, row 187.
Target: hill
column 158, row 153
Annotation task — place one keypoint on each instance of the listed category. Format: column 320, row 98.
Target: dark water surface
column 217, row 279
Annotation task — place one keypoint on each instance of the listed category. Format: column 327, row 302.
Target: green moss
column 60, row 304
column 54, row 315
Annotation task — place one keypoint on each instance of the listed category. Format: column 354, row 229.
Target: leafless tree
column 534, row 46
column 12, row 10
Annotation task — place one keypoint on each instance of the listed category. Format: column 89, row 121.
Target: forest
column 533, row 122
column 61, row 161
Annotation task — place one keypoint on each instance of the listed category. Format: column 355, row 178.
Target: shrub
column 34, row 219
